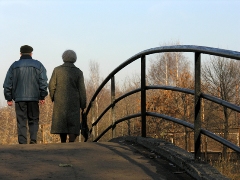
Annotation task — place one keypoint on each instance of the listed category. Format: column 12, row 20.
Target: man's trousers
column 27, row 112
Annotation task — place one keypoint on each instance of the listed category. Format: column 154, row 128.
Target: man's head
column 26, row 50
column 69, row 56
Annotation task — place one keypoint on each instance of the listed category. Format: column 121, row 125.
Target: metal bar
column 191, row 126
column 172, row 88
column 93, row 113
column 115, row 102
column 221, row 102
column 116, row 122
column 143, row 94
column 221, row 140
column 113, row 106
column 197, row 107
column 205, row 96
column 178, row 121
column 172, row 119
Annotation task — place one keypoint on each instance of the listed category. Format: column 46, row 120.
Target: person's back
column 67, row 91
column 26, row 74
column 26, row 84
column 68, row 77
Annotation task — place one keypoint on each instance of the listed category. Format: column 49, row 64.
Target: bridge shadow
column 171, row 154
column 163, row 168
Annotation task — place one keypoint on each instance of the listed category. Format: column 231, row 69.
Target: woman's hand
column 42, row 101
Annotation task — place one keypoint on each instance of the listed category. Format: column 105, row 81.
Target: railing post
column 197, row 107
column 143, row 94
column 113, row 106
column 93, row 113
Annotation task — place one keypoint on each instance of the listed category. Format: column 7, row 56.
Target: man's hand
column 42, row 101
column 10, row 103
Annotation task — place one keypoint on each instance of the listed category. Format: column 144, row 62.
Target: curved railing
column 198, row 130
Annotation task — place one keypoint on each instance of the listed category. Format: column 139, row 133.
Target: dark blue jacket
column 26, row 80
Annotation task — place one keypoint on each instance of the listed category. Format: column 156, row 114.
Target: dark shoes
column 33, row 142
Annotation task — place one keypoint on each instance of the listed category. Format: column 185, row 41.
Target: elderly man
column 26, row 84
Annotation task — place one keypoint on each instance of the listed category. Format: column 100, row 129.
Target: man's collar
column 26, row 57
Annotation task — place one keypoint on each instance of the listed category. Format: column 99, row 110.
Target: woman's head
column 69, row 56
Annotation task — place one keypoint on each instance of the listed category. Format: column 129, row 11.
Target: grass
column 229, row 168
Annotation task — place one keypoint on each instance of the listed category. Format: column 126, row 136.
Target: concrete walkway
column 72, row 161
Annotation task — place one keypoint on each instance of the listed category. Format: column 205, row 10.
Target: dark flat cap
column 26, row 49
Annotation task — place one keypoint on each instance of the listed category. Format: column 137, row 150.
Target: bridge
column 143, row 114
column 191, row 163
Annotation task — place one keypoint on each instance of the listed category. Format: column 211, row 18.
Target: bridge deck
column 108, row 160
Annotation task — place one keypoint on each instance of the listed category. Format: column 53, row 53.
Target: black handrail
column 177, row 48
column 172, row 88
column 197, row 93
column 178, row 121
column 203, row 131
column 115, row 123
column 111, row 105
column 205, row 96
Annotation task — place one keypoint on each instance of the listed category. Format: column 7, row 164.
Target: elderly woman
column 67, row 91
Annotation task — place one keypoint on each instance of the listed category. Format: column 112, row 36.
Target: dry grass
column 229, row 168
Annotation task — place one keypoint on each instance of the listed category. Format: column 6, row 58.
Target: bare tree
column 171, row 69
column 130, row 105
column 221, row 77
column 165, row 69
column 91, row 86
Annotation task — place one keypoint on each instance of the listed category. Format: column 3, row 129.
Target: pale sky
column 111, row 31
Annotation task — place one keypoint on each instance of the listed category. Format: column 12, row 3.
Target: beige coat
column 67, row 91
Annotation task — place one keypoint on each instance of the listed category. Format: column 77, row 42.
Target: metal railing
column 198, row 95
